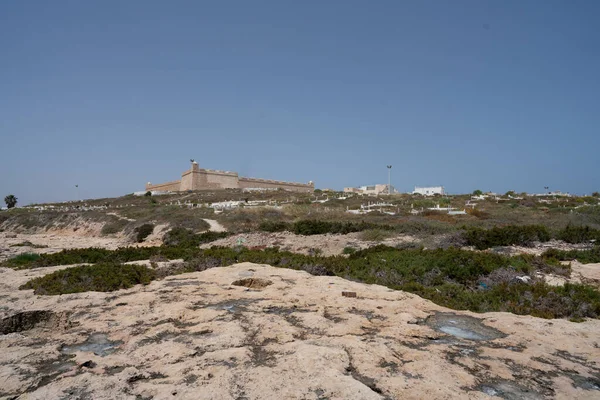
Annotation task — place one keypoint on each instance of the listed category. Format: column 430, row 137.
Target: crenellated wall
column 197, row 178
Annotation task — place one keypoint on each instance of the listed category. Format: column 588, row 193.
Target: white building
column 429, row 190
column 370, row 189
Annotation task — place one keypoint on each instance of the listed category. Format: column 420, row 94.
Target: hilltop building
column 370, row 190
column 429, row 190
column 197, row 178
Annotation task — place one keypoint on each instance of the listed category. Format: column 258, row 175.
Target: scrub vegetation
column 459, row 279
column 444, row 272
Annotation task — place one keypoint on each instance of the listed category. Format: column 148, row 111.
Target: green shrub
column 506, row 236
column 316, row 227
column 97, row 255
column 449, row 277
column 583, row 256
column 424, row 227
column 348, row 250
column 143, row 231
column 579, row 234
column 186, row 238
column 274, row 226
column 86, row 278
column 24, row 259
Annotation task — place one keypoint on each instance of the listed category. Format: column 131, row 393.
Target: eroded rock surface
column 197, row 336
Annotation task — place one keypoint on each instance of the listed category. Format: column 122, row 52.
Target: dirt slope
column 292, row 336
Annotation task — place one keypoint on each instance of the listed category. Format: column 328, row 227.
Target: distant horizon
column 465, row 94
column 450, row 193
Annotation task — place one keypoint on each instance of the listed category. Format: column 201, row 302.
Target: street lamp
column 77, row 186
column 389, row 167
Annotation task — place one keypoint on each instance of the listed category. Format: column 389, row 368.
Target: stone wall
column 173, row 186
column 213, row 179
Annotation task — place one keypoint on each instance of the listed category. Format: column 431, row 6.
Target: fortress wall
column 187, row 181
column 270, row 184
column 218, row 179
column 202, row 179
column 172, row 186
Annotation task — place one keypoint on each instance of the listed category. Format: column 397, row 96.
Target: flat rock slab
column 197, row 336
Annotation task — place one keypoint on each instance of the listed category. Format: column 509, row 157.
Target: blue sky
column 492, row 95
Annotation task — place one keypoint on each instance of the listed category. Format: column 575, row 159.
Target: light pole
column 389, row 167
column 77, row 186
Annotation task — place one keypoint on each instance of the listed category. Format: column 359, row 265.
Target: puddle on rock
column 508, row 390
column 462, row 327
column 246, row 274
column 96, row 343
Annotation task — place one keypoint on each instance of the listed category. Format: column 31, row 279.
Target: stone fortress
column 197, row 178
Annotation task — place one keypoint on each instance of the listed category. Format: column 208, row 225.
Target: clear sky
column 492, row 95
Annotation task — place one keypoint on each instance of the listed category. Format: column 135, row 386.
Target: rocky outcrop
column 198, row 336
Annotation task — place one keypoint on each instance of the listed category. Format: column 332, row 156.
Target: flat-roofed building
column 429, row 190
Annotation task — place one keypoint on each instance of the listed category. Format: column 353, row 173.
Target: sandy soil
column 328, row 244
column 215, row 225
column 197, row 336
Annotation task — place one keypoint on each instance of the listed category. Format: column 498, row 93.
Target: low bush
column 308, row 227
column 97, row 278
column 424, row 227
column 22, row 260
column 186, row 238
column 511, row 235
column 348, row 250
column 579, row 234
column 316, row 227
column 449, row 277
column 96, row 255
column 274, row 226
column 583, row 256
column 143, row 231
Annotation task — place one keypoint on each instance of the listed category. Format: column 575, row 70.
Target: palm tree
column 10, row 201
